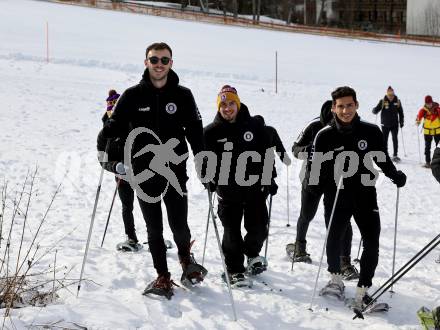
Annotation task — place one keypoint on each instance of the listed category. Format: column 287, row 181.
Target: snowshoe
column 193, row 273
column 130, row 245
column 361, row 300
column 334, row 288
column 298, row 256
column 238, row 280
column 349, row 271
column 256, row 265
column 426, row 318
column 162, row 286
column 426, row 165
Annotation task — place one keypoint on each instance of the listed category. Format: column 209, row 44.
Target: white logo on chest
column 248, row 136
column 171, row 108
column 362, row 145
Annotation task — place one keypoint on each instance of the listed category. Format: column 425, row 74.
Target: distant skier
column 114, row 163
column 160, row 104
column 430, row 113
column 310, row 198
column 350, row 137
column 235, row 131
column 391, row 118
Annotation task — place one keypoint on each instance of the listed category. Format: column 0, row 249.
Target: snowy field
column 51, row 114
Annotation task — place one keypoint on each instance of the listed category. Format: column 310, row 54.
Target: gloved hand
column 271, row 189
column 210, row 186
column 399, row 179
column 417, row 122
column 120, row 168
column 401, row 124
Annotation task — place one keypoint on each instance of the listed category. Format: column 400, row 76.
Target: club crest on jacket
column 248, row 136
column 362, row 144
column 171, row 108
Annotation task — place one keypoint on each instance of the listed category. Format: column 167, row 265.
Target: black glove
column 210, row 186
column 401, row 124
column 271, row 189
column 399, row 179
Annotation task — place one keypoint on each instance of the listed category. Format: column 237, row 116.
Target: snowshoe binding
column 256, row 265
column 334, row 288
column 349, row 271
column 161, row 286
column 298, row 254
column 361, row 300
column 193, row 273
column 130, row 245
column 238, row 280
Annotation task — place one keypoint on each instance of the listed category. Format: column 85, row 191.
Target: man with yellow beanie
column 235, row 136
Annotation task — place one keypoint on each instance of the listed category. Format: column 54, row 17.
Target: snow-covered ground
column 51, row 113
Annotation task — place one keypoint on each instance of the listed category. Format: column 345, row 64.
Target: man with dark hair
column 310, row 199
column 391, row 118
column 342, row 166
column 156, row 111
column 241, row 193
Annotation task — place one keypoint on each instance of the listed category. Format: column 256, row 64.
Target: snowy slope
column 50, row 116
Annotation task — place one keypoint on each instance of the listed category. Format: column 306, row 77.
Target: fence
column 244, row 22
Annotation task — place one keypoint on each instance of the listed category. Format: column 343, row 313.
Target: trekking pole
column 395, row 237
column 403, row 142
column 92, row 220
column 206, row 235
column 359, row 252
column 402, row 271
column 376, row 119
column 418, row 139
column 231, row 297
column 325, row 241
column 268, row 227
column 288, row 197
column 110, row 211
column 409, row 262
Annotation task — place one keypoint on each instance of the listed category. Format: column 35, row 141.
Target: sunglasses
column 164, row 60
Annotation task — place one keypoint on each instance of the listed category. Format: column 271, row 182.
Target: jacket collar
column 172, row 81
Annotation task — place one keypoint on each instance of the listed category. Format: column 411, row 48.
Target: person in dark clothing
column 391, row 118
column 241, row 193
column 310, row 199
column 350, row 146
column 435, row 164
column 115, row 156
column 161, row 115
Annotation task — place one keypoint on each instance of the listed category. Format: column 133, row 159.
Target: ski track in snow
column 52, row 115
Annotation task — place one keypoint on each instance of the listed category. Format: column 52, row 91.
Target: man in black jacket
column 391, row 118
column 342, row 165
column 161, row 114
column 310, row 198
column 114, row 163
column 234, row 136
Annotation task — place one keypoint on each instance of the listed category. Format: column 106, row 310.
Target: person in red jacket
column 430, row 113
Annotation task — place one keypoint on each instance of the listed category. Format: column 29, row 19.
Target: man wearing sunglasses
column 161, row 109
